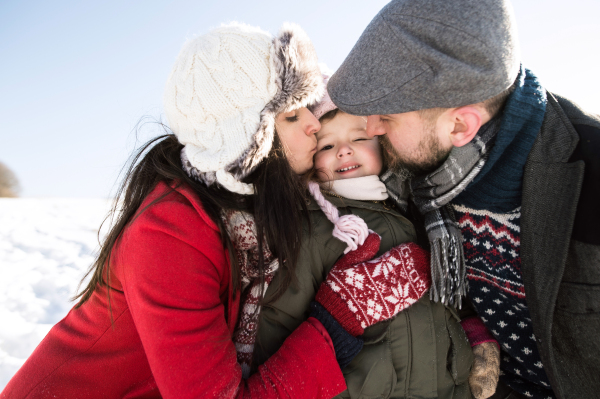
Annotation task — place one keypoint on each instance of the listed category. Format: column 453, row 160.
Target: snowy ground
column 46, row 246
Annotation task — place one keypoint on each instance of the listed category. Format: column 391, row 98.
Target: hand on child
column 486, row 358
column 485, row 371
column 359, row 292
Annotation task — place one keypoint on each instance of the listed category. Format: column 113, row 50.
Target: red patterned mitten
column 360, row 293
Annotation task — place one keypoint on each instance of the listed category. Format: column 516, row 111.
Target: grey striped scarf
column 432, row 194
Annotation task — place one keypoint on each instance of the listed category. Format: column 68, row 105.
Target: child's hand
column 485, row 371
column 359, row 292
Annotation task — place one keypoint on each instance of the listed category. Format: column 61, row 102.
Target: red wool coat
column 173, row 315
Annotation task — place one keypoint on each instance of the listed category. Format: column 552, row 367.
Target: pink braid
column 350, row 229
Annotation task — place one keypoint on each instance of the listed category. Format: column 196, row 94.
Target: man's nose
column 374, row 126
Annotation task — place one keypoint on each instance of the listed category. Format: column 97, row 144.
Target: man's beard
column 430, row 155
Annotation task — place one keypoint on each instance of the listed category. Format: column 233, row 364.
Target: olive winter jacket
column 423, row 352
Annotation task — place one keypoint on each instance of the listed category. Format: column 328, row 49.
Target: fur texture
column 299, row 84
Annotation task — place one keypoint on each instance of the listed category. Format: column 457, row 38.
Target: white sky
column 76, row 77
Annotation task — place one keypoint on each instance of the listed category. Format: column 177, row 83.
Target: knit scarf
column 396, row 182
column 365, row 188
column 241, row 230
column 433, row 192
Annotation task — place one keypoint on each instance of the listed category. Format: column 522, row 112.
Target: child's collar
column 365, row 188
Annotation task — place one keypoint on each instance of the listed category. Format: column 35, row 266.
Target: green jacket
column 421, row 353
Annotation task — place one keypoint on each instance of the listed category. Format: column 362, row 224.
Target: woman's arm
column 175, row 276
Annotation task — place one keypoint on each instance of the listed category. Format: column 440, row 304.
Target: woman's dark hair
column 278, row 206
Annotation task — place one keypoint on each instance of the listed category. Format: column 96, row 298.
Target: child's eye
column 292, row 118
column 326, row 147
column 361, row 139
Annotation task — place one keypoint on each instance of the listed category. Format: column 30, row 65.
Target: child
column 423, row 352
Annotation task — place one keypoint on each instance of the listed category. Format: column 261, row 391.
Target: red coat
column 173, row 317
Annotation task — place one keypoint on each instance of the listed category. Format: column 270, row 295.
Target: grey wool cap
column 420, row 54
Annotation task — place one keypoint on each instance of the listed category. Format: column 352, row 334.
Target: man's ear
column 467, row 121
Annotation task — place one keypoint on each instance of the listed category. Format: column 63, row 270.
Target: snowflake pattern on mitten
column 360, row 295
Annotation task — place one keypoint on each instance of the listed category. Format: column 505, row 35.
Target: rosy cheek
column 322, row 160
column 317, row 160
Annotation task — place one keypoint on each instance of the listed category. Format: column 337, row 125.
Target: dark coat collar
column 551, row 187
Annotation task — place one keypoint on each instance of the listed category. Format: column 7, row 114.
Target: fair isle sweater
column 488, row 213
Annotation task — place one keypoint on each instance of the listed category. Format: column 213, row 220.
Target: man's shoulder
column 587, row 126
column 576, row 114
column 587, row 150
column 566, row 128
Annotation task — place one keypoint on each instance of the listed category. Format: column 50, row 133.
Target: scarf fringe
column 448, row 271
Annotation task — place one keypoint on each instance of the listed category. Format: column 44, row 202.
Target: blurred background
column 76, row 77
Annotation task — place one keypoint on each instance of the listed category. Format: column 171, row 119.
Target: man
column 505, row 175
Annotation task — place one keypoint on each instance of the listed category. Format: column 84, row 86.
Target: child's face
column 344, row 150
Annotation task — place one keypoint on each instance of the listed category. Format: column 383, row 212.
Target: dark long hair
column 278, row 206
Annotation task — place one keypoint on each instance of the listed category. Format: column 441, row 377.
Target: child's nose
column 344, row 150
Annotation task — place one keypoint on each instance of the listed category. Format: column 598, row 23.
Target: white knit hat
column 224, row 92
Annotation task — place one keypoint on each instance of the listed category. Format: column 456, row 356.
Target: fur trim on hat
column 299, row 84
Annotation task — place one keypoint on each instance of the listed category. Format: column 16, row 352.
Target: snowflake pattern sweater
column 488, row 213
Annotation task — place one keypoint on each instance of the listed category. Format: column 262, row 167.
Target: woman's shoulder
column 173, row 214
column 178, row 203
column 171, row 232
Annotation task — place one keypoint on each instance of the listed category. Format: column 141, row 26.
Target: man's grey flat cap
column 419, row 54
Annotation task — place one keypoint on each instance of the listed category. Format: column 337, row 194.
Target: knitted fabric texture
column 365, row 188
column 477, row 332
column 521, row 121
column 396, row 182
column 359, row 293
column 224, row 92
column 350, row 229
column 496, row 290
column 431, row 194
column 346, row 345
column 325, row 104
column 241, row 230
column 488, row 213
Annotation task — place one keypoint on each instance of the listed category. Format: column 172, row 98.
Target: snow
column 46, row 246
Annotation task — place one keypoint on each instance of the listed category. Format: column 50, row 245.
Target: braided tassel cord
column 350, row 229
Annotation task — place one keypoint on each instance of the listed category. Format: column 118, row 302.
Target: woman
column 171, row 307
